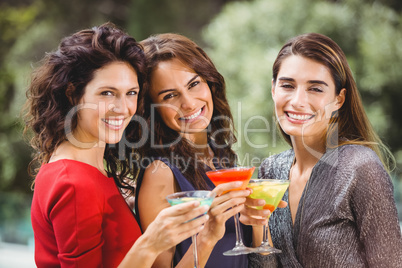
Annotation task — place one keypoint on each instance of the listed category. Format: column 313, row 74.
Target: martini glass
column 204, row 197
column 227, row 175
column 272, row 192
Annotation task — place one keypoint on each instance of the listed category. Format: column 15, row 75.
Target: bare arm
column 158, row 182
column 171, row 226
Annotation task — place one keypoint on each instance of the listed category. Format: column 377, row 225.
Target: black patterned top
column 346, row 216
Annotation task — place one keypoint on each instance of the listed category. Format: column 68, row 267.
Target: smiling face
column 304, row 97
column 109, row 102
column 183, row 99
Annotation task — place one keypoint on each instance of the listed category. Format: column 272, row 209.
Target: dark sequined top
column 346, row 215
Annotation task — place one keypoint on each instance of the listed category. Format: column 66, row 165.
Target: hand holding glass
column 204, row 197
column 272, row 192
column 228, row 175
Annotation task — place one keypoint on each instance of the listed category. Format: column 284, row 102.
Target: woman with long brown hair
column 341, row 209
column 80, row 100
column 189, row 131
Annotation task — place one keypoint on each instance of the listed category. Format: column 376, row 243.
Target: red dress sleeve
column 79, row 218
column 76, row 214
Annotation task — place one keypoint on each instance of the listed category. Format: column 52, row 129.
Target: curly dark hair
column 160, row 140
column 59, row 83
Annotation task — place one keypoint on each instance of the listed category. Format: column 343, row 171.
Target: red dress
column 79, row 217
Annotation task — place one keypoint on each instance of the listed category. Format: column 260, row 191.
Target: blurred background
column 242, row 38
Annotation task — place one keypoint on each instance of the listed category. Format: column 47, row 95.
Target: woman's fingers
column 188, row 233
column 183, row 217
column 226, row 203
column 282, row 204
column 219, row 208
column 184, row 212
column 191, row 227
column 222, row 217
column 181, row 209
column 230, row 195
column 224, row 187
column 247, row 220
column 231, row 212
column 167, row 230
column 253, row 216
column 253, row 212
column 250, row 215
column 254, row 202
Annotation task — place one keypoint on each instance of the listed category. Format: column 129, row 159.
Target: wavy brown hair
column 168, row 143
column 59, row 83
column 350, row 124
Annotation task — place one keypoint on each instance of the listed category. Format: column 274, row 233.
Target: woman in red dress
column 80, row 101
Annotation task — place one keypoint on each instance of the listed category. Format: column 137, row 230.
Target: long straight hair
column 350, row 124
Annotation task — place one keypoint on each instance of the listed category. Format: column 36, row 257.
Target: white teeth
column 192, row 116
column 299, row 116
column 114, row 122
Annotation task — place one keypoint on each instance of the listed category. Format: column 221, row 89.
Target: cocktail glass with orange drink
column 228, row 175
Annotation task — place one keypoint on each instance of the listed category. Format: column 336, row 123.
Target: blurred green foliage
column 242, row 40
column 29, row 29
column 245, row 38
column 15, row 223
column 178, row 16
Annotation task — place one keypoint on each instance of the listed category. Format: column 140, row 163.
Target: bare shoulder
column 158, row 172
column 158, row 182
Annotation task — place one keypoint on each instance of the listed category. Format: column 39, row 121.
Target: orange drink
column 231, row 174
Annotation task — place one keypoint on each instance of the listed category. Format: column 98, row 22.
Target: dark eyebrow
column 188, row 83
column 192, row 79
column 317, row 82
column 115, row 89
column 286, row 79
column 164, row 91
column 309, row 81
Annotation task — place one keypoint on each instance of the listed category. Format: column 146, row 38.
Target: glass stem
column 265, row 235
column 195, row 252
column 239, row 240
